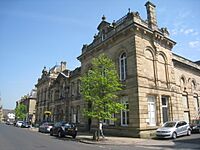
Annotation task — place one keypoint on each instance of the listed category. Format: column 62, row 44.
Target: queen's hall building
column 158, row 84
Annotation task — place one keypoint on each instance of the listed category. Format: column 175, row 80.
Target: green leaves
column 99, row 88
column 20, row 111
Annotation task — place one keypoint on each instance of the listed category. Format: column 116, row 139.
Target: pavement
column 87, row 138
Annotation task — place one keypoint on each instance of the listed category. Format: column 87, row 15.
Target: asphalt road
column 13, row 138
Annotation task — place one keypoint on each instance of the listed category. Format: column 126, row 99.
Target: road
column 13, row 138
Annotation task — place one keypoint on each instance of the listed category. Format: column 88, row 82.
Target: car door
column 56, row 127
column 184, row 127
column 179, row 128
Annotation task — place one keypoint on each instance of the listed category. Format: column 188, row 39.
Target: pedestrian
column 101, row 128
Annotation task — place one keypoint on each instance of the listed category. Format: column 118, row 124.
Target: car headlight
column 194, row 127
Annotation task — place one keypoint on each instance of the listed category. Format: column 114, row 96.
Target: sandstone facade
column 158, row 85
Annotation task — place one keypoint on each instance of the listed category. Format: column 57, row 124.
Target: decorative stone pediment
column 103, row 25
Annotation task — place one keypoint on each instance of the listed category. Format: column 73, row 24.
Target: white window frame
column 123, row 66
column 151, row 102
column 196, row 104
column 112, row 122
column 125, row 113
column 185, row 101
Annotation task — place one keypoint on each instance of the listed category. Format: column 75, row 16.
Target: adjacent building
column 1, row 111
column 1, row 114
column 158, row 84
column 48, row 95
column 29, row 101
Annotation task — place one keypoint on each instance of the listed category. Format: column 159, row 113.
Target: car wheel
column 60, row 134
column 174, row 135
column 74, row 136
column 189, row 132
column 51, row 133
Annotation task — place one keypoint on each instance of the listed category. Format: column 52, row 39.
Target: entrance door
column 165, row 114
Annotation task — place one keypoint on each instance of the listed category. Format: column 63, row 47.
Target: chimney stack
column 63, row 65
column 151, row 15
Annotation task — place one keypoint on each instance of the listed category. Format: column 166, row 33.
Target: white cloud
column 194, row 44
column 188, row 31
column 185, row 31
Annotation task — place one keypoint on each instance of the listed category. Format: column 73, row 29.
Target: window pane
column 185, row 101
column 151, row 110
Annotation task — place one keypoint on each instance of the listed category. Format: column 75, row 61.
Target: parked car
column 172, row 129
column 19, row 123
column 9, row 122
column 195, row 125
column 45, row 127
column 25, row 125
column 61, row 129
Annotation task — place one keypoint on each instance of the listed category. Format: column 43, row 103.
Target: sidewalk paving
column 113, row 140
column 87, row 138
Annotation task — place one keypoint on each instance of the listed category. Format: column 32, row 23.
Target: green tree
column 99, row 88
column 20, row 111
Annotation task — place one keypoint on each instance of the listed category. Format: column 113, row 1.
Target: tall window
column 125, row 113
column 185, row 102
column 78, row 87
column 165, row 114
column 151, row 111
column 77, row 114
column 73, row 89
column 123, row 66
column 196, row 104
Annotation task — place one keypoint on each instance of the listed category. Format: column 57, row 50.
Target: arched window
column 193, row 85
column 161, row 65
column 182, row 83
column 149, row 68
column 123, row 66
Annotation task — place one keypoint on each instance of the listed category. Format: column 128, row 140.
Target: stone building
column 46, row 94
column 1, row 114
column 29, row 101
column 159, row 85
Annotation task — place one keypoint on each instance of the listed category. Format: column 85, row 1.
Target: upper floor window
column 78, row 87
column 73, row 89
column 123, row 66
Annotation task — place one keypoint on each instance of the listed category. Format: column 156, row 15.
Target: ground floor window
column 165, row 111
column 196, row 104
column 112, row 122
column 186, row 116
column 185, row 101
column 151, row 111
column 125, row 113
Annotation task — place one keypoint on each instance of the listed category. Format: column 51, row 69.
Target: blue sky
column 38, row 33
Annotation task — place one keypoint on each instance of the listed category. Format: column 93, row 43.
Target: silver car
column 172, row 129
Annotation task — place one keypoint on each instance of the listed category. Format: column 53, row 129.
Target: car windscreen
column 169, row 124
column 195, row 121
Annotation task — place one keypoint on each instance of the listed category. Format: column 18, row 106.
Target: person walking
column 101, row 128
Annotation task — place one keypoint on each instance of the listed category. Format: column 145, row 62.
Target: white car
column 19, row 123
column 172, row 129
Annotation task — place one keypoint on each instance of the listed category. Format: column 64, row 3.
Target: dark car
column 25, row 125
column 61, row 129
column 45, row 127
column 195, row 125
